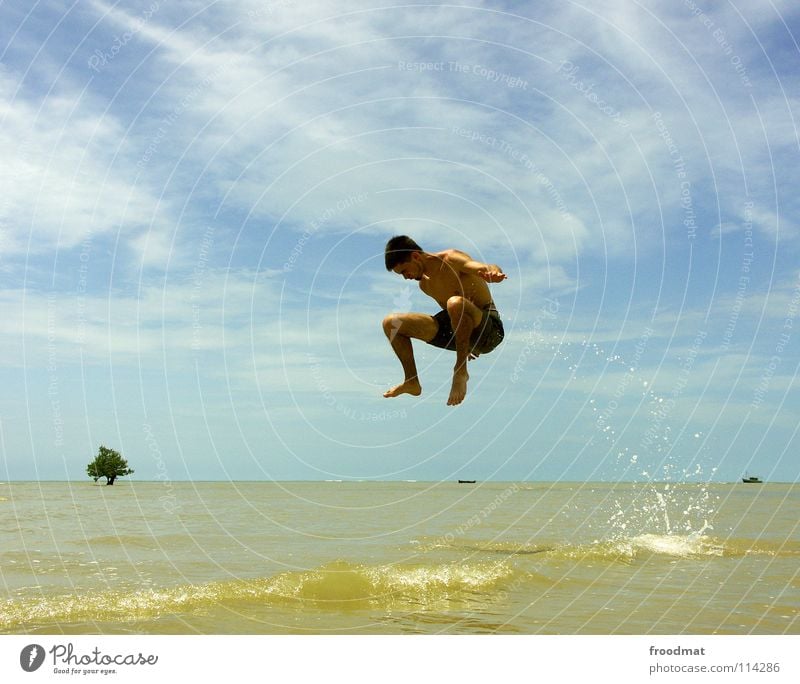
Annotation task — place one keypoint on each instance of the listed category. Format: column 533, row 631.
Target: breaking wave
column 339, row 585
column 480, row 572
column 628, row 549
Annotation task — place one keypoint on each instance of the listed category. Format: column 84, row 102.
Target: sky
column 197, row 195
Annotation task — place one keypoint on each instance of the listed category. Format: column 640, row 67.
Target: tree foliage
column 108, row 464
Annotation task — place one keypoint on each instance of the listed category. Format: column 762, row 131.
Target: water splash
column 634, row 427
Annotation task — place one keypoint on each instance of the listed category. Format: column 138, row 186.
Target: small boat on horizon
column 467, row 481
column 749, row 479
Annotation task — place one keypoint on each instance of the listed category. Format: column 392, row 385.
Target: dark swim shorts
column 484, row 338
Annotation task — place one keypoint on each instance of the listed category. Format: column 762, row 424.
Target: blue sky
column 197, row 196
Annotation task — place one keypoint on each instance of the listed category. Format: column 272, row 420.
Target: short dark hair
column 399, row 250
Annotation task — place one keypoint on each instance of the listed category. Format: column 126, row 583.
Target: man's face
column 411, row 269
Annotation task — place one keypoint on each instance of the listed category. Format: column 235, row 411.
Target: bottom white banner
column 354, row 659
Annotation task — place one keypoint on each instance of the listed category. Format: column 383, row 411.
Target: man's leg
column 400, row 329
column 465, row 317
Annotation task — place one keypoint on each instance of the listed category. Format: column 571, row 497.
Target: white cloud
column 210, row 313
column 59, row 173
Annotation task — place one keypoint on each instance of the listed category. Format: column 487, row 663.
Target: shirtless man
column 467, row 324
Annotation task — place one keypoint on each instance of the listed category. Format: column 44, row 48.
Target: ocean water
column 399, row 557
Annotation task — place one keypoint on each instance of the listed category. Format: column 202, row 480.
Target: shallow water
column 399, row 557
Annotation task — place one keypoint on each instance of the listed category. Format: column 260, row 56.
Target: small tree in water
column 108, row 464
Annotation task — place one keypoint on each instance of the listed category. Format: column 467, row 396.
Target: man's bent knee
column 460, row 309
column 457, row 310
column 390, row 323
column 455, row 304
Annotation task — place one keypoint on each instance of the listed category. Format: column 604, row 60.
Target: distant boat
column 467, row 481
column 751, row 480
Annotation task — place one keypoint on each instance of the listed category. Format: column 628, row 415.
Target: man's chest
column 442, row 286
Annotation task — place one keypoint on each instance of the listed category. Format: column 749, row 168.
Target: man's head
column 403, row 256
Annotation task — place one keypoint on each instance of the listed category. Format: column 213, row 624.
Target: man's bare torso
column 444, row 282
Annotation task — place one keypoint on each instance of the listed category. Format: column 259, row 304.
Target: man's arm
column 463, row 263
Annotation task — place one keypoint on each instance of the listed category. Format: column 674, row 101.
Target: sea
column 399, row 558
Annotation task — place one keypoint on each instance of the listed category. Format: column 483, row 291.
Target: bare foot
column 406, row 387
column 458, row 390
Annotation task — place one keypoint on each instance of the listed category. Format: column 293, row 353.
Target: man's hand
column 492, row 274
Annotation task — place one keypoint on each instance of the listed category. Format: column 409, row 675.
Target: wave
column 673, row 546
column 646, row 546
column 339, row 585
column 142, row 541
column 509, row 548
column 625, row 549
column 484, row 571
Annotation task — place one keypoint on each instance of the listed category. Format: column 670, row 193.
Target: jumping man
column 467, row 324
